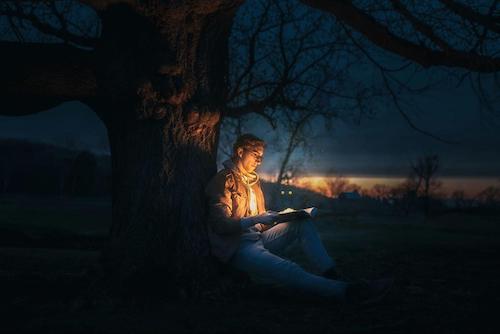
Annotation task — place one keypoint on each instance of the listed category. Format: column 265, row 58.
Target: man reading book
column 245, row 235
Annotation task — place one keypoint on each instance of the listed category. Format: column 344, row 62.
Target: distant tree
column 71, row 142
column 379, row 191
column 296, row 139
column 339, row 185
column 82, row 175
column 489, row 197
column 423, row 175
column 5, row 176
column 64, row 177
column 459, row 199
column 404, row 196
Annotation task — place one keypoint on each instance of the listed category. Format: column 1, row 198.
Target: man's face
column 250, row 158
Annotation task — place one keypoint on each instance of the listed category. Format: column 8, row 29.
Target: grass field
column 446, row 277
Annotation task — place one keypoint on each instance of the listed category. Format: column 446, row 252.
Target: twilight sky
column 380, row 147
column 385, row 145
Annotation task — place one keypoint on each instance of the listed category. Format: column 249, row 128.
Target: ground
column 445, row 268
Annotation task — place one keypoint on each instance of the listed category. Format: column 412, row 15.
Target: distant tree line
column 44, row 169
column 419, row 192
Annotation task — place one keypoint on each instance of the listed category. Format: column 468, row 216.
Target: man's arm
column 221, row 208
column 221, row 205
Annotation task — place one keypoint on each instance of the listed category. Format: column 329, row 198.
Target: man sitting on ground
column 243, row 234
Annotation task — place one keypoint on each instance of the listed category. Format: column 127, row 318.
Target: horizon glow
column 471, row 185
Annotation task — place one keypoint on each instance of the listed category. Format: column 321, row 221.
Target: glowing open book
column 288, row 215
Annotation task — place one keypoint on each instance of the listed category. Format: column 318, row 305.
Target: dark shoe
column 368, row 292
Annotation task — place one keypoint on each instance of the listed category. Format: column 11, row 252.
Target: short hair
column 248, row 141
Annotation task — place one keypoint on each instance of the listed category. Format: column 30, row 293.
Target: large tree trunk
column 161, row 92
column 159, row 174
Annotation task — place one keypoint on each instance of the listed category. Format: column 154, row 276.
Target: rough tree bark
column 157, row 78
column 162, row 85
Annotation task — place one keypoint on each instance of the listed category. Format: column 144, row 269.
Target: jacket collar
column 249, row 179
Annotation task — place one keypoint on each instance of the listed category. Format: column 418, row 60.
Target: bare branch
column 379, row 34
column 251, row 53
column 420, row 26
column 406, row 117
column 281, row 37
column 101, row 5
column 48, row 29
column 469, row 14
column 293, row 143
column 258, row 108
column 262, row 92
column 194, row 6
column 56, row 74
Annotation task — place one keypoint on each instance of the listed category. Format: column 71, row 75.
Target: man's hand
column 266, row 218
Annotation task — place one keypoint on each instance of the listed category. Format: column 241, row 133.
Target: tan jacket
column 228, row 200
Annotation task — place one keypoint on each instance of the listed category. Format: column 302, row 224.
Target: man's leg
column 281, row 235
column 266, row 267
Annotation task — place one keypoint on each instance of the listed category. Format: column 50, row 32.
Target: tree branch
column 271, row 94
column 48, row 29
column 256, row 107
column 420, row 26
column 36, row 77
column 101, row 5
column 251, row 54
column 381, row 36
column 472, row 16
column 407, row 118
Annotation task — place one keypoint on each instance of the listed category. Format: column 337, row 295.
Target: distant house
column 280, row 196
column 286, row 192
column 350, row 195
column 287, row 197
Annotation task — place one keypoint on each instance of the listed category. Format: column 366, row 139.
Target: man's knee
column 304, row 226
column 290, row 229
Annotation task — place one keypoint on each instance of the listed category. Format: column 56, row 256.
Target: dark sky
column 383, row 146
column 71, row 124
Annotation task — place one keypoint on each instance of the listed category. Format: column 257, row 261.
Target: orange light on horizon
column 319, row 183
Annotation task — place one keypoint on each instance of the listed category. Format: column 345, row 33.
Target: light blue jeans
column 259, row 259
